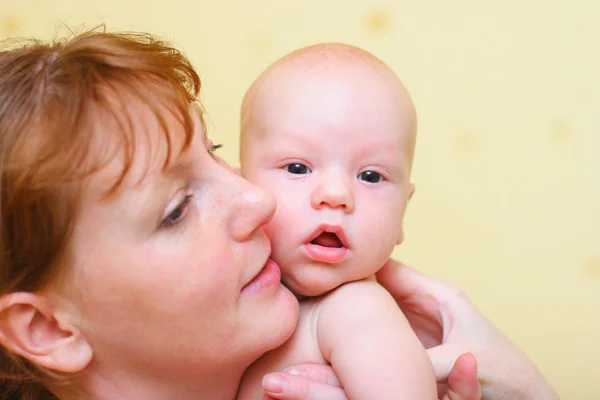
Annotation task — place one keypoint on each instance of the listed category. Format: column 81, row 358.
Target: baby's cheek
column 276, row 232
column 382, row 236
column 286, row 218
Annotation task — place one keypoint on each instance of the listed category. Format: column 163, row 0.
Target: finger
column 403, row 281
column 463, row 383
column 315, row 372
column 281, row 385
column 410, row 287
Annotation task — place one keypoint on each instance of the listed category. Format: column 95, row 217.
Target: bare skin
column 329, row 131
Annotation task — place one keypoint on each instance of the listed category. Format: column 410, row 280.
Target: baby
column 330, row 131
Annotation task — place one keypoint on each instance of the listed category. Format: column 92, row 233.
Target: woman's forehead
column 139, row 143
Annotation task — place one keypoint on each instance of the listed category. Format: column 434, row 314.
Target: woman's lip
column 269, row 275
column 329, row 255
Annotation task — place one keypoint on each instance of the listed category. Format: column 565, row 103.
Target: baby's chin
column 313, row 282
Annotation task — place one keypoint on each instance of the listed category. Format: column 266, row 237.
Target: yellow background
column 508, row 157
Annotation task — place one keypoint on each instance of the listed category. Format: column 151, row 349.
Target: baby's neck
column 300, row 297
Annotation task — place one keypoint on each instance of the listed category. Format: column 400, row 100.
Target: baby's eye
column 370, row 176
column 297, row 169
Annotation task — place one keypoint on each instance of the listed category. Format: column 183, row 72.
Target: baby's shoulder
column 356, row 293
column 352, row 297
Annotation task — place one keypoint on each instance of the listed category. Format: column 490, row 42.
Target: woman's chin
column 290, row 310
column 281, row 319
column 293, row 311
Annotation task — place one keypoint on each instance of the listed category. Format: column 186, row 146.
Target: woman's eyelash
column 214, row 148
column 178, row 214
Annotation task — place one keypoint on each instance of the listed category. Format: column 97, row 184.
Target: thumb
column 463, row 383
column 442, row 358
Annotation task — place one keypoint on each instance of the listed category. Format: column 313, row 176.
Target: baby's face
column 334, row 154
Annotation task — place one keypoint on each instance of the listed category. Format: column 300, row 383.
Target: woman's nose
column 252, row 207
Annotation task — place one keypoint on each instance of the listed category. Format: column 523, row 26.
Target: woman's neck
column 129, row 385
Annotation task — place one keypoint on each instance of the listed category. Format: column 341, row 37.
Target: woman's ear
column 31, row 328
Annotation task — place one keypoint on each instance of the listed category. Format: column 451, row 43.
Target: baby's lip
column 329, row 228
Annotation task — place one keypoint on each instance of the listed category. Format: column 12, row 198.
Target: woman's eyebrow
column 200, row 114
column 180, row 168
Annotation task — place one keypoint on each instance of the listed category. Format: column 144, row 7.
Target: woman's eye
column 214, row 148
column 297, row 169
column 370, row 176
column 178, row 214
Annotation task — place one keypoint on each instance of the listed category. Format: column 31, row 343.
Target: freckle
column 593, row 268
column 465, row 142
column 10, row 25
column 378, row 22
column 560, row 132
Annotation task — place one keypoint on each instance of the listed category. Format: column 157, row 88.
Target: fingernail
column 296, row 371
column 274, row 383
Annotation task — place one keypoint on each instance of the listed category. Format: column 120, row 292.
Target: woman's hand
column 304, row 382
column 449, row 325
column 319, row 382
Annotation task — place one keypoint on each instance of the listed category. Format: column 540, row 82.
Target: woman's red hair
column 52, row 95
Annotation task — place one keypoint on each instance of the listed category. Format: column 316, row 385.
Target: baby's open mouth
column 327, row 239
column 328, row 244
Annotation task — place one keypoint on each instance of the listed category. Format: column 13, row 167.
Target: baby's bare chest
column 303, row 346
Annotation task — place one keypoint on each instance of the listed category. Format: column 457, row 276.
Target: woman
column 134, row 265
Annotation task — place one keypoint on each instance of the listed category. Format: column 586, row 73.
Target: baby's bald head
column 329, row 130
column 317, row 70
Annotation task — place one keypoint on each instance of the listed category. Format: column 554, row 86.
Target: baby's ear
column 411, row 190
column 30, row 328
column 400, row 239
